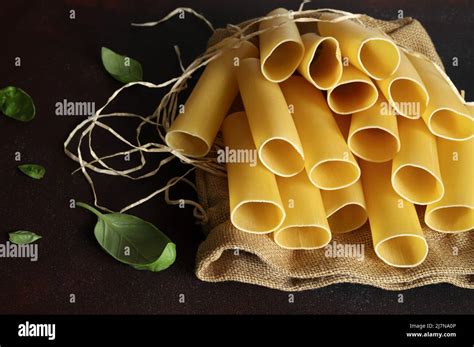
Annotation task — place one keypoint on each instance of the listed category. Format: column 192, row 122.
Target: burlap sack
column 228, row 254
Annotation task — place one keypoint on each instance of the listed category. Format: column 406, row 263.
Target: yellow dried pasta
column 396, row 231
column 455, row 211
column 255, row 202
column 328, row 160
column 354, row 92
column 415, row 171
column 345, row 208
column 305, row 225
column 321, row 64
column 273, row 130
column 344, row 123
column 446, row 115
column 281, row 48
column 193, row 132
column 373, row 135
column 367, row 49
column 405, row 90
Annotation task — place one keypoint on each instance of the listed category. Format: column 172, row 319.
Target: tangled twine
column 166, row 112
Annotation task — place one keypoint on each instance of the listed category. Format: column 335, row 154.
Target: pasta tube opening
column 347, row 218
column 374, row 144
column 352, row 97
column 186, row 143
column 321, row 64
column 403, row 250
column 281, row 157
column 302, row 237
column 326, row 69
column 409, row 97
column 417, row 184
column 450, row 124
column 281, row 48
column 334, row 174
column 282, row 61
column 257, row 216
column 379, row 57
column 355, row 92
column 450, row 219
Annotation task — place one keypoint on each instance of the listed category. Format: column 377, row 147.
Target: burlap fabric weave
column 260, row 261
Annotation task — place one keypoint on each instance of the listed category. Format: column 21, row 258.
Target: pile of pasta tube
column 345, row 128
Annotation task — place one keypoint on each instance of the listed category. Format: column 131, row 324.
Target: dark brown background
column 61, row 60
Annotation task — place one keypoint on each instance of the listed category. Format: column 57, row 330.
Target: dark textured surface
column 60, row 60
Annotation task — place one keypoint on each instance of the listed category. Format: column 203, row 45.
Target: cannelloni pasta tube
column 396, row 231
column 345, row 208
column 321, row 64
column 415, row 171
column 255, row 202
column 305, row 225
column 273, row 130
column 354, row 92
column 328, row 160
column 405, row 90
column 281, row 48
column 373, row 135
column 193, row 132
column 455, row 211
column 446, row 115
column 369, row 50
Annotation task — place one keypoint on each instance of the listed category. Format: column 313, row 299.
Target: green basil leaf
column 17, row 104
column 33, row 170
column 122, row 68
column 23, row 237
column 133, row 241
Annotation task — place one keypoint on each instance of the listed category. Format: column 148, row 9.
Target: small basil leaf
column 122, row 68
column 133, row 241
column 23, row 237
column 17, row 104
column 33, row 170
